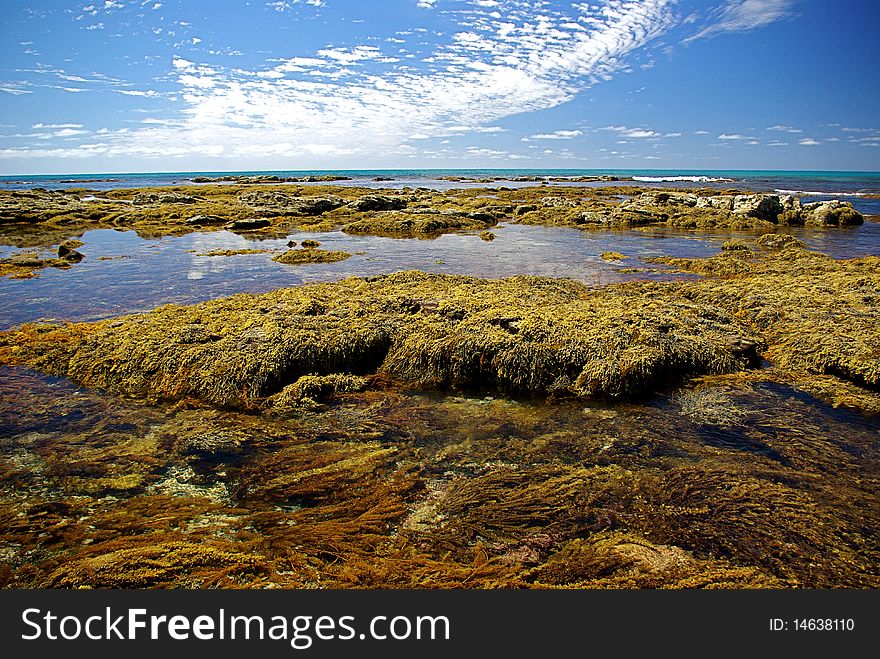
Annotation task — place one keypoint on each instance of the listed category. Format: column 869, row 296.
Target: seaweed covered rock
column 779, row 241
column 373, row 202
column 818, row 315
column 831, row 213
column 206, row 220
column 290, row 204
column 310, row 389
column 145, row 198
column 734, row 245
column 310, row 255
column 248, row 224
column 412, row 225
column 524, row 334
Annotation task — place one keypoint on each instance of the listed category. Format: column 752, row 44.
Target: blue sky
column 167, row 85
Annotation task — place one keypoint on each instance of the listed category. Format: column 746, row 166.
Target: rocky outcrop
column 831, row 213
column 413, row 225
column 289, row 204
column 147, row 198
column 310, row 255
column 740, row 211
column 779, row 241
column 248, row 224
column 205, row 220
column 377, row 203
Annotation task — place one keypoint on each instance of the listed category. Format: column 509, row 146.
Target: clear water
column 124, row 273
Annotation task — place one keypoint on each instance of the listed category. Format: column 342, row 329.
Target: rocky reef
column 415, row 430
column 524, row 335
column 39, row 217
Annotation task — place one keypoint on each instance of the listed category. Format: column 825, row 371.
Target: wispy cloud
column 636, row 133
column 288, row 5
column 743, row 16
column 556, row 135
column 785, row 129
column 808, row 141
column 360, row 100
column 55, row 126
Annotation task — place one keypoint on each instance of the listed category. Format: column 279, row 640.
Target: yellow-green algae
column 310, row 255
column 386, row 489
column 523, row 334
column 332, row 475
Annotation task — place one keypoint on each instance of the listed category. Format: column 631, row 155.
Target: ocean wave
column 681, row 179
column 817, row 193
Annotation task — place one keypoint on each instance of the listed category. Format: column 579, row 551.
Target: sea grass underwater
column 417, row 430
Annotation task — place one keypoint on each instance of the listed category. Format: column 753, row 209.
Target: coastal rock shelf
column 703, row 421
column 341, row 436
column 522, row 335
column 31, row 218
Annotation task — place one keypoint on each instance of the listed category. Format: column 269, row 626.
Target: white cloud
column 359, row 100
column 426, row 4
column 808, row 141
column 785, row 129
column 287, row 6
column 744, row 16
column 55, row 126
column 731, row 136
column 636, row 133
column 557, row 135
